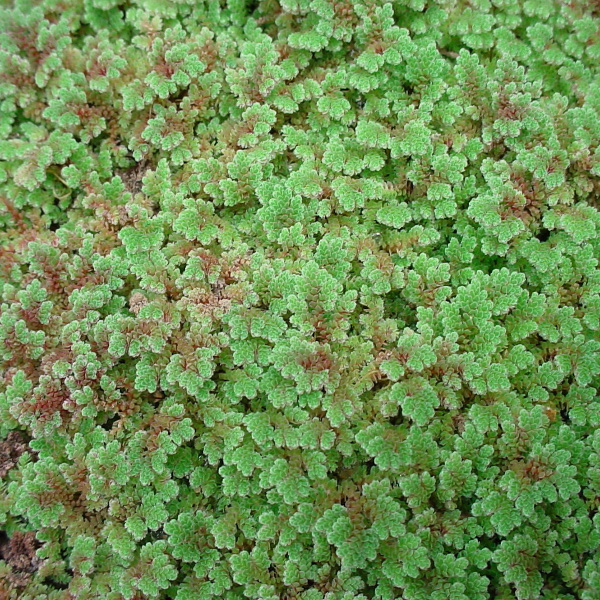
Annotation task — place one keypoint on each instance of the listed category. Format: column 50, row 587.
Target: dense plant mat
column 300, row 300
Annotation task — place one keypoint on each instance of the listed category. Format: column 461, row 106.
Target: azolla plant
column 300, row 300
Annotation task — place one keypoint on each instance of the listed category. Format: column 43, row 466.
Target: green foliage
column 300, row 299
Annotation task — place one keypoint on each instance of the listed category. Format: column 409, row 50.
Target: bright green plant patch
column 300, row 300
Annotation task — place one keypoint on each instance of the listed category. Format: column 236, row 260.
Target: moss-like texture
column 300, row 300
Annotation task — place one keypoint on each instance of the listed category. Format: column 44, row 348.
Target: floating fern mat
column 300, row 300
